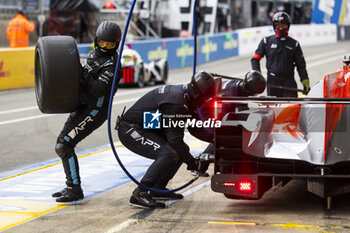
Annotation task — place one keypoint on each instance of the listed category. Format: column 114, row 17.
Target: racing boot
column 166, row 196
column 60, row 193
column 142, row 199
column 69, row 194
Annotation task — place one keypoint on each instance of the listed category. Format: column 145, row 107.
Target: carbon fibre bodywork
column 275, row 143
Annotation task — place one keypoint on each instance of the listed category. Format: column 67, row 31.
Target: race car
column 135, row 71
column 286, row 138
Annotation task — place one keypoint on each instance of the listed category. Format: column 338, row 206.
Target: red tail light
column 229, row 184
column 217, row 109
column 245, row 186
column 128, row 75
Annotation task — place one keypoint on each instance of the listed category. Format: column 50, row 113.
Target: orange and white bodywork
column 315, row 133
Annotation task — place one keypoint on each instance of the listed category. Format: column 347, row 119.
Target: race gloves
column 306, row 85
column 196, row 164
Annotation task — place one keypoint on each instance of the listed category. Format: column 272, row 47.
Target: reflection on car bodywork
column 275, row 143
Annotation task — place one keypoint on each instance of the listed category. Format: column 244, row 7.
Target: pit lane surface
column 28, row 138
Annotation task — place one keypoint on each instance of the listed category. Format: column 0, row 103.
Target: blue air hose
column 194, row 38
column 111, row 101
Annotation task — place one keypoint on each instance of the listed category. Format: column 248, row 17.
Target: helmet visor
column 281, row 26
column 106, row 44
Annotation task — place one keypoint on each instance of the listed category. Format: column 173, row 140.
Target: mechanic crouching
column 164, row 145
column 253, row 84
column 96, row 85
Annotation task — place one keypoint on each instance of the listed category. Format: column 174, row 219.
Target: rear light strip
column 241, row 186
column 128, row 75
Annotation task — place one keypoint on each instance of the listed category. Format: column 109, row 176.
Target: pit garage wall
column 179, row 51
column 307, row 35
column 17, row 65
column 16, row 68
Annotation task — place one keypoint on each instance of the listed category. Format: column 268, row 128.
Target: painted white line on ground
column 122, row 226
column 31, row 188
column 196, row 188
column 311, row 64
column 190, row 191
column 231, row 60
column 129, row 92
column 333, row 53
column 19, row 110
column 321, row 62
column 26, row 119
column 50, row 115
column 128, row 222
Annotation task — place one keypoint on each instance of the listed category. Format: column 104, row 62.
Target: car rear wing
column 281, row 100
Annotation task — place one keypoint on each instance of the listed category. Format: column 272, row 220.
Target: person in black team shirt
column 96, row 85
column 253, row 84
column 165, row 145
column 283, row 54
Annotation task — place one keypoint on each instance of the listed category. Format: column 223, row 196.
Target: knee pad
column 64, row 150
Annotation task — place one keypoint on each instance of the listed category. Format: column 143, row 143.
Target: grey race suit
column 282, row 56
column 166, row 145
column 96, row 84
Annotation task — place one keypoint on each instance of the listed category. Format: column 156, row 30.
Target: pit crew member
column 283, row 54
column 96, row 84
column 253, row 84
column 164, row 145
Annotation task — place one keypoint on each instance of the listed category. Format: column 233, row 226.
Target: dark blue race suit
column 96, row 85
column 166, row 145
column 282, row 56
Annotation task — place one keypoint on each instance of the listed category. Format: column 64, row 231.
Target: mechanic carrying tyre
column 253, row 84
column 96, row 83
column 140, row 131
column 283, row 54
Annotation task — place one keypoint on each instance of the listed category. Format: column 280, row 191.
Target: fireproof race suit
column 165, row 145
column 282, row 56
column 96, row 84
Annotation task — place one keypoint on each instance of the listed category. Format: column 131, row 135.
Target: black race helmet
column 108, row 31
column 281, row 17
column 254, row 83
column 20, row 12
column 201, row 87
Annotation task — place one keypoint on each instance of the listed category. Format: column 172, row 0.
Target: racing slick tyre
column 57, row 74
column 141, row 78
